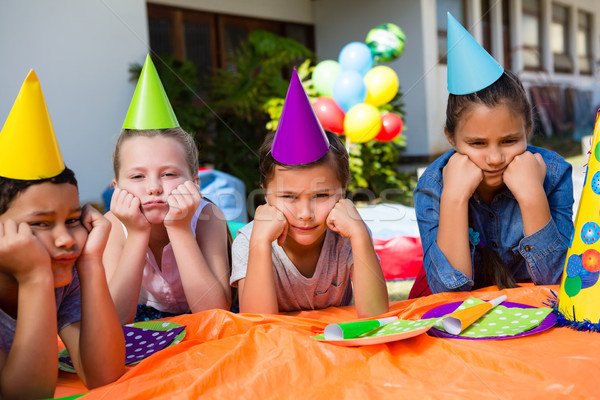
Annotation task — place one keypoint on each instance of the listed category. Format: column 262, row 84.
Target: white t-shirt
column 329, row 286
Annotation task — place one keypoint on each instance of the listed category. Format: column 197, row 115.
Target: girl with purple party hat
column 307, row 240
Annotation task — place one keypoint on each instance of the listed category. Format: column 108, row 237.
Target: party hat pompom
column 300, row 138
column 28, row 146
column 150, row 107
column 470, row 67
column 579, row 295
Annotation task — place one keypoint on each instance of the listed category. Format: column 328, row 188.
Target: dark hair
column 177, row 133
column 495, row 271
column 508, row 90
column 10, row 188
column 336, row 156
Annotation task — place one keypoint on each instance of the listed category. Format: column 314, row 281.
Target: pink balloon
column 391, row 127
column 330, row 114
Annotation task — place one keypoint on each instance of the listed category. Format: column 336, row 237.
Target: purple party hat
column 470, row 67
column 300, row 138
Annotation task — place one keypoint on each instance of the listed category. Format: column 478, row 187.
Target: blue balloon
column 349, row 89
column 356, row 56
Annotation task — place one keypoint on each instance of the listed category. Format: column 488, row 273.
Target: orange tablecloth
column 259, row 357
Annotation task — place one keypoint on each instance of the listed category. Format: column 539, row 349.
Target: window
column 506, row 38
column 457, row 9
column 207, row 38
column 532, row 49
column 486, row 24
column 584, row 42
column 559, row 39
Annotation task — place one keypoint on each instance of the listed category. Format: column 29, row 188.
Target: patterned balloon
column 590, row 260
column 574, row 265
column 386, row 42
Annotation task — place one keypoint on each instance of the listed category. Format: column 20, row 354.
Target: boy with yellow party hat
column 51, row 274
column 579, row 295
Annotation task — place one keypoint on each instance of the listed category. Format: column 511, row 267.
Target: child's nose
column 495, row 157
column 63, row 238
column 154, row 187
column 306, row 210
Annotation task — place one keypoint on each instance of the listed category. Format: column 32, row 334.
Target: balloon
column 349, row 89
column 382, row 85
column 391, row 126
column 362, row 123
column 324, row 75
column 330, row 114
column 386, row 42
column 356, row 56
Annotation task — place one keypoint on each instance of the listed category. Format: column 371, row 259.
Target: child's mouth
column 304, row 229
column 66, row 259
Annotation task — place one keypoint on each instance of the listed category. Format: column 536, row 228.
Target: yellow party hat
column 579, row 295
column 28, row 147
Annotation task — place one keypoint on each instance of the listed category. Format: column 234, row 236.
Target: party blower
column 460, row 320
column 350, row 330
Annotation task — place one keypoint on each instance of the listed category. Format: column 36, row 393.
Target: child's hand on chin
column 525, row 174
column 345, row 219
column 22, row 255
column 269, row 224
column 126, row 207
column 183, row 202
column 98, row 229
column 461, row 175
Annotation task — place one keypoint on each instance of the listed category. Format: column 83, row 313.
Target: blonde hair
column 177, row 134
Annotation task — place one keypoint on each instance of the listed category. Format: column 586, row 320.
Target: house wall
column 81, row 51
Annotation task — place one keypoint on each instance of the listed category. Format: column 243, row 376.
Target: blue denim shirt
column 539, row 257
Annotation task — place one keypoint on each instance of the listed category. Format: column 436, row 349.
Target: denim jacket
column 539, row 257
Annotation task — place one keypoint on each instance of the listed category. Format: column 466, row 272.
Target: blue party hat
column 300, row 138
column 470, row 67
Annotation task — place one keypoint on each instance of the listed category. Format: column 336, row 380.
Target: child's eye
column 322, row 195
column 478, row 144
column 288, row 196
column 74, row 221
column 39, row 224
column 136, row 177
column 169, row 174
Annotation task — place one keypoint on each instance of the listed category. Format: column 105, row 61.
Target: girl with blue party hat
column 307, row 239
column 493, row 210
column 167, row 253
column 51, row 273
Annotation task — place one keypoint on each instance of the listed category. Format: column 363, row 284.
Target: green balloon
column 572, row 286
column 386, row 42
column 324, row 76
column 597, row 152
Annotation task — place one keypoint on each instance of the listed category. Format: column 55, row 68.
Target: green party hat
column 150, row 107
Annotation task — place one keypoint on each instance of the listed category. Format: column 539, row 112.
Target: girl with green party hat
column 167, row 253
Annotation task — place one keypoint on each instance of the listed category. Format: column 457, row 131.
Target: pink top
column 161, row 287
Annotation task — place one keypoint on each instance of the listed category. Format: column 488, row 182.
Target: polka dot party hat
column 579, row 295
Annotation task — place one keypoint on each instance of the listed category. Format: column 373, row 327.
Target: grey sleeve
column 239, row 258
column 69, row 303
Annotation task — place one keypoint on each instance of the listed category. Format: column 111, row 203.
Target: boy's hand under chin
column 98, row 229
column 183, row 202
column 345, row 219
column 22, row 255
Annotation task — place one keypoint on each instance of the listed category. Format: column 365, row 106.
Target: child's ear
column 450, row 138
column 114, row 183
column 196, row 180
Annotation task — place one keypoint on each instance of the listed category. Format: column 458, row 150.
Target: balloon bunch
column 352, row 88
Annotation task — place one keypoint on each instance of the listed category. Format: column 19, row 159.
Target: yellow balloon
column 382, row 85
column 362, row 123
